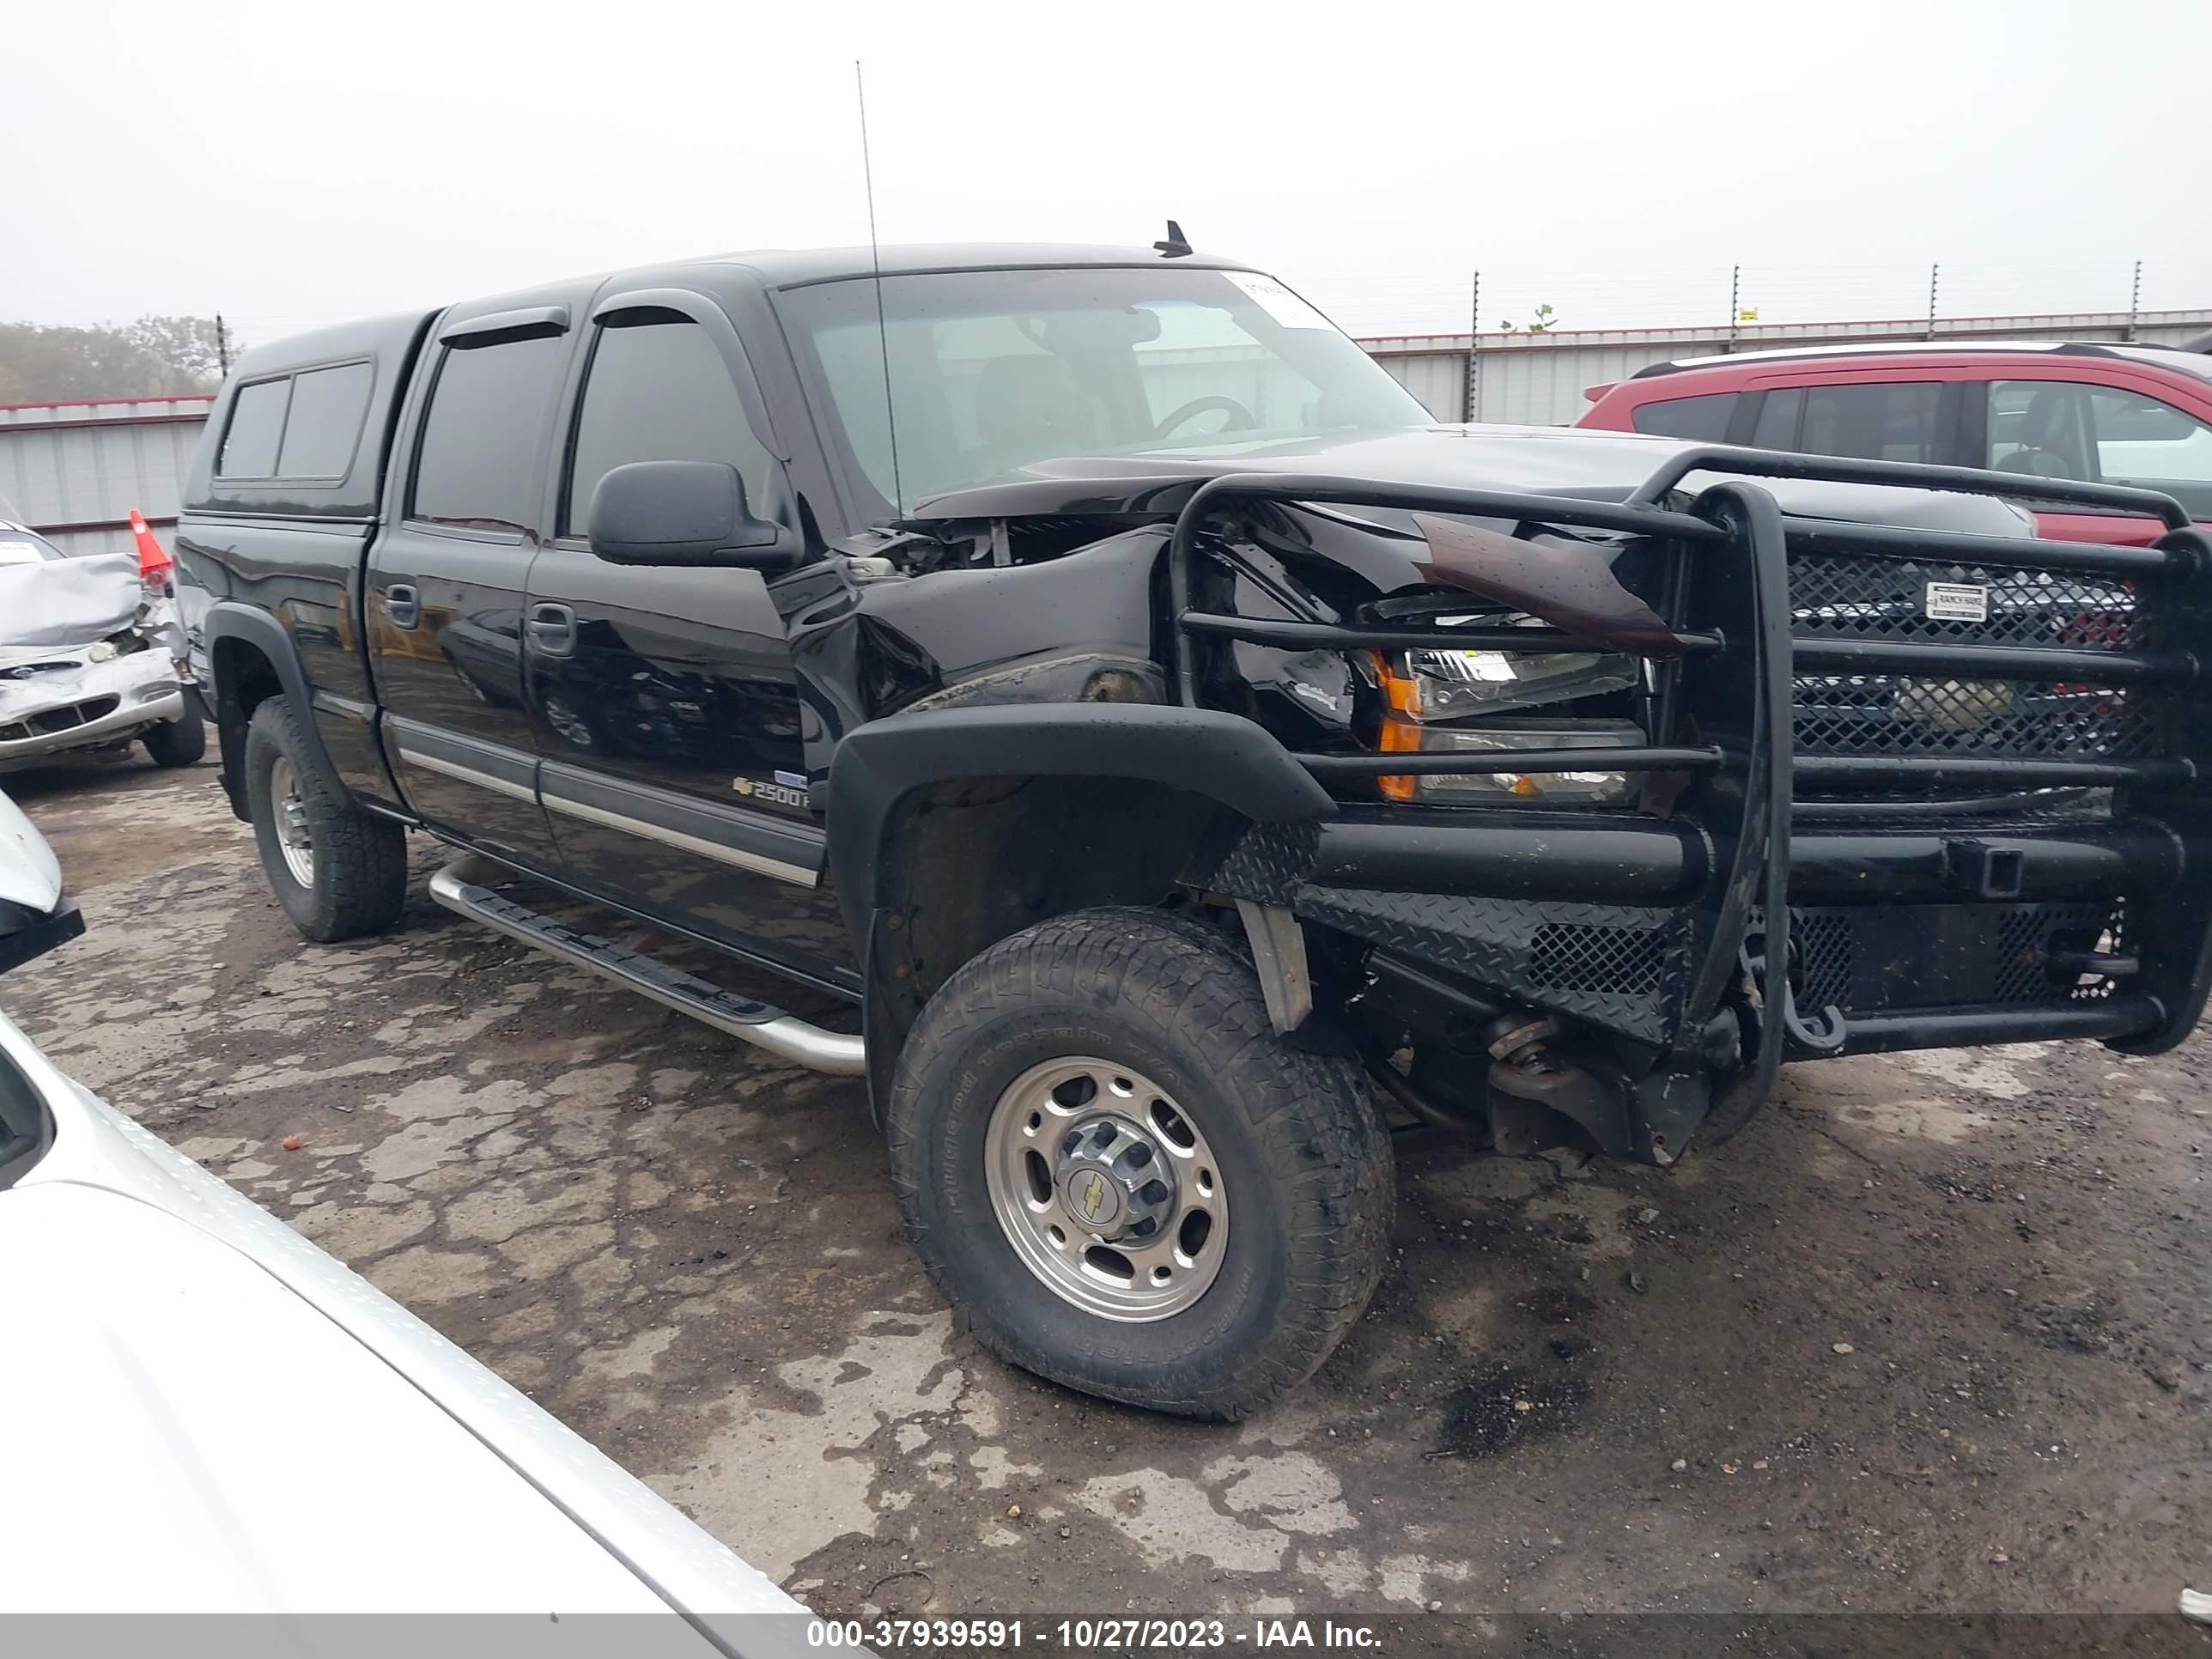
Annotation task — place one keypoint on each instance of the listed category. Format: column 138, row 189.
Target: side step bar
column 780, row 1034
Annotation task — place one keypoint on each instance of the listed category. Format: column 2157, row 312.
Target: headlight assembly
column 1446, row 685
column 1502, row 737
column 1443, row 701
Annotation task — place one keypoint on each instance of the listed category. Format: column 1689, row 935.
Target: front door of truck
column 443, row 604
column 665, row 705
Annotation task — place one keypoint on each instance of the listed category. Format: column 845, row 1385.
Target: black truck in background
column 1184, row 755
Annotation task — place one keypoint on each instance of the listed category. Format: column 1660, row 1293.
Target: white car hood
column 65, row 603
column 207, row 1442
column 209, row 1413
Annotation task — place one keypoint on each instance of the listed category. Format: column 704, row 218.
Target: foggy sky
column 292, row 164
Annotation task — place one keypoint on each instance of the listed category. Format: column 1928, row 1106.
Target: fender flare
column 1222, row 757
column 228, row 619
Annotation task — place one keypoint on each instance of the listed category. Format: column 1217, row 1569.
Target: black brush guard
column 1879, row 738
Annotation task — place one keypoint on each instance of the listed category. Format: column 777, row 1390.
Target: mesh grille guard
column 1806, row 676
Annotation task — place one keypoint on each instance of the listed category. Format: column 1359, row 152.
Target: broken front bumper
column 50, row 711
column 1869, row 828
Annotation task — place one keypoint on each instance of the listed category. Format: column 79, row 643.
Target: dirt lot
column 1932, row 1335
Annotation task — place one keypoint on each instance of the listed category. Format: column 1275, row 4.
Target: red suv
column 2115, row 413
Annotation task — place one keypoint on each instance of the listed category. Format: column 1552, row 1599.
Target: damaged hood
column 1545, row 460
column 62, row 604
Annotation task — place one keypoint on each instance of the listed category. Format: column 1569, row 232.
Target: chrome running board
column 458, row 888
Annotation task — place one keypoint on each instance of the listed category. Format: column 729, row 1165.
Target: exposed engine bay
column 1538, row 996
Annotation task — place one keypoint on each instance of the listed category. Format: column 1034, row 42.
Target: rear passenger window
column 476, row 464
column 1780, row 413
column 325, row 424
column 658, row 390
column 1877, row 421
column 1704, row 419
column 256, row 425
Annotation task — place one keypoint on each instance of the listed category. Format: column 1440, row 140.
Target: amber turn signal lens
column 1398, row 688
column 1498, row 741
column 1398, row 737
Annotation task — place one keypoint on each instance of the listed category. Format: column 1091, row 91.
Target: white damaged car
column 87, row 658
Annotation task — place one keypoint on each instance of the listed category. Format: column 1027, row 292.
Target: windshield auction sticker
column 1278, row 301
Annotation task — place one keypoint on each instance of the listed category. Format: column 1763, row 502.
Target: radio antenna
column 876, row 260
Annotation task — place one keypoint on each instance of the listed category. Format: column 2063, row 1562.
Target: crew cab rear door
column 664, row 698
column 465, row 513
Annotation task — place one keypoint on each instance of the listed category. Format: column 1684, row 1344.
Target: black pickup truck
column 1187, row 757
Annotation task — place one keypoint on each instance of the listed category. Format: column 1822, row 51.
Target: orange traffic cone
column 156, row 569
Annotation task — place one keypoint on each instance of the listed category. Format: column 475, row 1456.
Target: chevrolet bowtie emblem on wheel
column 1091, row 1194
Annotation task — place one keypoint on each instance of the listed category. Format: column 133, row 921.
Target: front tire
column 338, row 872
column 179, row 742
column 1108, row 1160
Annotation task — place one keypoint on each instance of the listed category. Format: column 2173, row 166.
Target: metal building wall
column 1438, row 378
column 1539, row 380
column 73, row 472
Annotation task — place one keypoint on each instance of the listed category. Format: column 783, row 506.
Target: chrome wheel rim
column 1106, row 1189
column 566, row 724
column 291, row 814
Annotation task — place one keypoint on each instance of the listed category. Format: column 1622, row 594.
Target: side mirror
column 686, row 512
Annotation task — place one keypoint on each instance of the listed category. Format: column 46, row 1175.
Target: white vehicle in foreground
column 207, row 1415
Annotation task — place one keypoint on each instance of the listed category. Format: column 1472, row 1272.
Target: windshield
column 992, row 371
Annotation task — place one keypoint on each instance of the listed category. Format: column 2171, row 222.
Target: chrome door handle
column 553, row 630
column 403, row 605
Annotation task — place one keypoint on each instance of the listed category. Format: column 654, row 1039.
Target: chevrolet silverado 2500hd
column 1182, row 753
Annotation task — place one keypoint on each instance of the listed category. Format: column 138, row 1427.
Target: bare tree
column 152, row 357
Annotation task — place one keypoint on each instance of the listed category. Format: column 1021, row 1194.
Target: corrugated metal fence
column 72, row 471
column 1538, row 380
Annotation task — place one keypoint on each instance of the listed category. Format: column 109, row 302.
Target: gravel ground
column 1930, row 1335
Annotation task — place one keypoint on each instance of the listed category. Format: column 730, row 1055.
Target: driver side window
column 657, row 390
column 2066, row 429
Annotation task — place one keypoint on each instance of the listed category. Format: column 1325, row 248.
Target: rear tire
column 338, row 872
column 1094, row 1021
column 179, row 742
